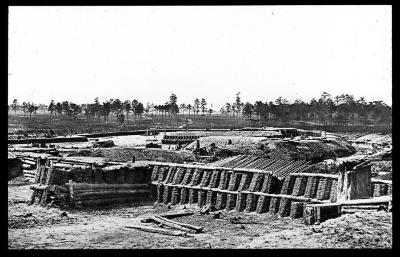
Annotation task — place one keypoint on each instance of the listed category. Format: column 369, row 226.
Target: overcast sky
column 147, row 53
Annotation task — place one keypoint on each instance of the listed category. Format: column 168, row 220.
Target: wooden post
column 354, row 184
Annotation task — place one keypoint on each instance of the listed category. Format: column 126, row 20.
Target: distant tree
column 173, row 106
column 135, row 104
column 96, row 108
column 117, row 107
column 248, row 110
column 65, row 107
column 238, row 103
column 75, row 109
column 222, row 110
column 228, row 108
column 106, row 110
column 52, row 107
column 148, row 108
column 203, row 105
column 120, row 116
column 196, row 105
column 32, row 108
column 127, row 107
column 14, row 106
column 182, row 107
column 139, row 109
column 210, row 111
column 24, row 107
column 189, row 108
column 59, row 108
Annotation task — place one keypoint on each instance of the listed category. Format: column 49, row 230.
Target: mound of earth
column 227, row 133
column 315, row 150
column 125, row 154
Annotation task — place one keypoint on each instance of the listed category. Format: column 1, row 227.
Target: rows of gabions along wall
column 77, row 184
column 247, row 190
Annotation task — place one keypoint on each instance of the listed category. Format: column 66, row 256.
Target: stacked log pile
column 29, row 167
column 84, row 183
column 248, row 190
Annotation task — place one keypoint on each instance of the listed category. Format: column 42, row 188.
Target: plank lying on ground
column 167, row 223
column 158, row 230
column 172, row 215
column 197, row 229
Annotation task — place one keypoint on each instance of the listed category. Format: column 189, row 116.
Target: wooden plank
column 83, row 186
column 158, row 230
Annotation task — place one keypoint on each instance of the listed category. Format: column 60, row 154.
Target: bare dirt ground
column 37, row 227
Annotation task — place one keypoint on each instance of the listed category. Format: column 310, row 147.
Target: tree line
column 341, row 109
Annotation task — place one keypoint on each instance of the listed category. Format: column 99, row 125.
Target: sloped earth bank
column 125, row 154
column 36, row 227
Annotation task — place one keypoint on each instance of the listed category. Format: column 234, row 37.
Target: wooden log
column 158, row 230
column 27, row 166
column 105, row 201
column 318, row 175
column 160, row 193
column 197, row 229
column 38, row 187
column 167, row 223
column 29, row 172
column 99, row 193
column 86, row 186
column 171, row 215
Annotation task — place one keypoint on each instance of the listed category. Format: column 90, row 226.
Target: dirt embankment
column 126, row 153
column 316, row 150
column 367, row 229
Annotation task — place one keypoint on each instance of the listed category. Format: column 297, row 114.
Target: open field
column 43, row 123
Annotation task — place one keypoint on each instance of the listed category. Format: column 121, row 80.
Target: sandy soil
column 37, row 227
